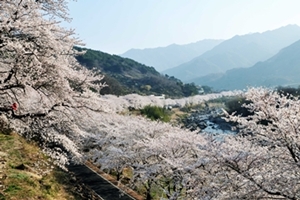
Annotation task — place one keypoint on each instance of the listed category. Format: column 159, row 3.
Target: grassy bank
column 26, row 173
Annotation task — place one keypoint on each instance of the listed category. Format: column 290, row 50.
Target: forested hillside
column 125, row 76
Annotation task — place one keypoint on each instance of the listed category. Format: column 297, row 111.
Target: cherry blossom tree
column 41, row 84
column 173, row 162
column 263, row 161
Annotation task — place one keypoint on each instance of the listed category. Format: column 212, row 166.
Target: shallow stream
column 208, row 121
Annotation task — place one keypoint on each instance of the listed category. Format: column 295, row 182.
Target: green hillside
column 125, row 76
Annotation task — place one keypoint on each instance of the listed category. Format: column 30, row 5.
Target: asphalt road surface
column 105, row 189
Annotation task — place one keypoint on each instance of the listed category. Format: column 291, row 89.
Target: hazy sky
column 115, row 26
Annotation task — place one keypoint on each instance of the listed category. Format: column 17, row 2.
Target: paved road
column 102, row 187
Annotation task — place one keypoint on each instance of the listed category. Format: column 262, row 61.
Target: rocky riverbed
column 208, row 121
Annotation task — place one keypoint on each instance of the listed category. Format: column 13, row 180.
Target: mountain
column 282, row 69
column 126, row 76
column 237, row 52
column 162, row 58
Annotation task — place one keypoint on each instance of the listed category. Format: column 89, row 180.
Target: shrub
column 235, row 105
column 156, row 113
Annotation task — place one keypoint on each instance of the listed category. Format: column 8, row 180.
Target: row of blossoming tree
column 260, row 162
column 47, row 97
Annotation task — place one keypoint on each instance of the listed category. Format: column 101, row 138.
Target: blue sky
column 115, row 26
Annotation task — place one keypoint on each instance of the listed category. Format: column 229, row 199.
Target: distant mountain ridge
column 162, row 58
column 237, row 52
column 283, row 69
